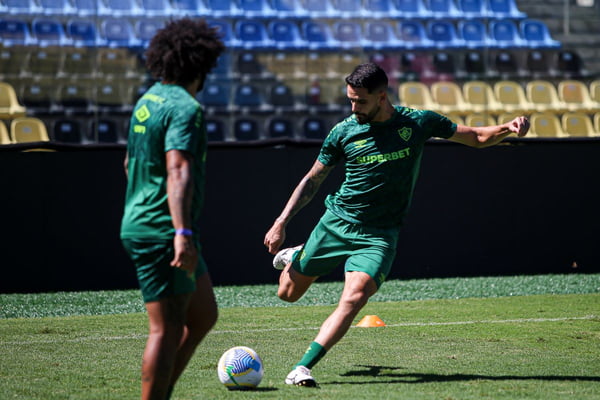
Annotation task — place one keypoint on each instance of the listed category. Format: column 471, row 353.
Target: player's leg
column 293, row 284
column 201, row 317
column 167, row 319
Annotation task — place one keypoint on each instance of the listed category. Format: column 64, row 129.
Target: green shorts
column 334, row 241
column 157, row 278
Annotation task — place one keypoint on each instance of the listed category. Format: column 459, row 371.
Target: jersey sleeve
column 184, row 128
column 437, row 125
column 331, row 150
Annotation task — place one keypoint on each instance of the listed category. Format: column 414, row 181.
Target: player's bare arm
column 302, row 195
column 486, row 136
column 179, row 192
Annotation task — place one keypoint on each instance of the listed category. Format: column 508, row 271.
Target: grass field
column 532, row 337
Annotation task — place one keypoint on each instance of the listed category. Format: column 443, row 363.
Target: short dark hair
column 184, row 50
column 369, row 76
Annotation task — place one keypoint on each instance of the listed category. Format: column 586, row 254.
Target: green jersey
column 382, row 162
column 165, row 118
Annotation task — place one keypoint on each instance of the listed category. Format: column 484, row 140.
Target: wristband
column 184, row 232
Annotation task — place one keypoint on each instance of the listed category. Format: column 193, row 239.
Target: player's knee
column 288, row 294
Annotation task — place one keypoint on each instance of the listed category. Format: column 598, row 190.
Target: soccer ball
column 240, row 368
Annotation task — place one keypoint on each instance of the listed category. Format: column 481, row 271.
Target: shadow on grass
column 394, row 375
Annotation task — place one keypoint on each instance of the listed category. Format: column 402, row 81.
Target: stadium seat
column 347, row 8
column 442, row 9
column 83, row 32
column 74, row 97
column 415, row 95
column 281, row 96
column 222, row 8
column 118, row 32
column 67, row 131
column 156, row 7
column 247, row 95
column 59, row 7
column 537, row 64
column 104, row 130
column 21, row 7
column 9, row 104
column 247, row 63
column 78, row 62
column 379, row 35
column 546, row 125
column 224, row 28
column 474, row 65
column 49, row 32
column 215, row 130
column 569, row 64
column 215, row 94
column 45, row 62
column 255, row 8
column 504, row 117
column 595, row 90
column 480, row 119
column 506, row 64
column 12, row 60
column 480, row 97
column 597, row 123
column 448, row 98
column 505, row 34
column 319, row 9
column 146, row 28
column 472, row 8
column 4, row 134
column 86, row 8
column 348, row 34
column 412, row 35
column 314, row 128
column 511, row 96
column 115, row 61
column 39, row 96
column 576, row 96
column 504, row 9
column 252, row 35
column 473, row 33
column 286, row 35
column 112, row 96
column 443, row 34
column 119, row 8
column 318, row 36
column 543, row 96
column 578, row 124
column 278, row 127
column 380, row 9
column 14, row 31
column 535, row 33
column 245, row 129
column 28, row 129
column 288, row 9
column 410, row 9
column 444, row 65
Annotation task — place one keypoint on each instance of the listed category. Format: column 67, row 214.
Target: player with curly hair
column 165, row 168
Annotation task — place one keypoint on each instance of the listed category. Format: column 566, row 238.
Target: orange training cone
column 370, row 321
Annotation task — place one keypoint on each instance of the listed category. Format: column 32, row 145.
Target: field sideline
column 449, row 344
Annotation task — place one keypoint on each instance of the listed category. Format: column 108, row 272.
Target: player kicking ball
column 381, row 146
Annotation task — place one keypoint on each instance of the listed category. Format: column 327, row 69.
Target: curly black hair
column 369, row 76
column 184, row 50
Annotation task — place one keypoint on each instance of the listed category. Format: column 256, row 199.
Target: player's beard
column 366, row 118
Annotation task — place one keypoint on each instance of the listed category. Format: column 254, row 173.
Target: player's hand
column 275, row 238
column 520, row 126
column 186, row 254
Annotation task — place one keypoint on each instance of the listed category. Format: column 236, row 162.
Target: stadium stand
column 578, row 124
column 576, row 96
column 67, row 130
column 448, row 98
column 28, row 129
column 10, row 107
column 546, row 124
column 542, row 96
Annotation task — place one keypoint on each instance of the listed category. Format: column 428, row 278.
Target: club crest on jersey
column 405, row 133
column 142, row 113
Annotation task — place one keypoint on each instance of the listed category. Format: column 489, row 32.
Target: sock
column 312, row 356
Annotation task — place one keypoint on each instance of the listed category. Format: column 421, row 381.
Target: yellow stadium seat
column 546, row 124
column 578, row 124
column 4, row 136
column 28, row 129
column 597, row 123
column 543, row 96
column 511, row 96
column 9, row 104
column 415, row 95
column 595, row 90
column 507, row 117
column 480, row 97
column 576, row 96
column 480, row 119
column 448, row 98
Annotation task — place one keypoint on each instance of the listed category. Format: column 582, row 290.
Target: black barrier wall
column 525, row 207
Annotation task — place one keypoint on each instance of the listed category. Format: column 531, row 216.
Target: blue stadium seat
column 14, row 31
column 412, row 35
column 442, row 9
column 443, row 34
column 319, row 9
column 286, row 35
column 146, row 28
column 504, row 9
column 348, row 34
column 472, row 8
column 222, row 8
column 288, row 9
column 473, row 32
column 215, row 94
column 118, row 32
column 380, row 8
column 49, row 32
column 67, row 131
column 223, row 27
column 379, row 35
column 347, row 8
column 61, row 7
column 104, row 131
column 115, row 8
column 215, row 130
column 318, row 36
column 156, row 7
column 255, row 8
column 315, row 128
column 252, row 34
column 247, row 95
column 280, row 127
column 246, row 129
column 223, row 67
column 411, row 9
column 83, row 32
column 281, row 96
column 86, row 7
column 21, row 7
column 505, row 34
column 247, row 63
column 189, row 7
column 535, row 33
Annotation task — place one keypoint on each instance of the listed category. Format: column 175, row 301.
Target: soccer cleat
column 284, row 257
column 300, row 376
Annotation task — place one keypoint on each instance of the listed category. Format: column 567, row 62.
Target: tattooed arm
column 302, row 195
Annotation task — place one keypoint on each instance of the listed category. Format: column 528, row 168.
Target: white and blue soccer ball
column 240, row 368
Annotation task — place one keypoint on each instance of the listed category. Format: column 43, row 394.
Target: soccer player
column 381, row 146
column 165, row 166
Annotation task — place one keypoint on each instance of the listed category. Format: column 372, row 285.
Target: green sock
column 312, row 356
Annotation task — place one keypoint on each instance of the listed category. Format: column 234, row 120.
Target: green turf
column 451, row 345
